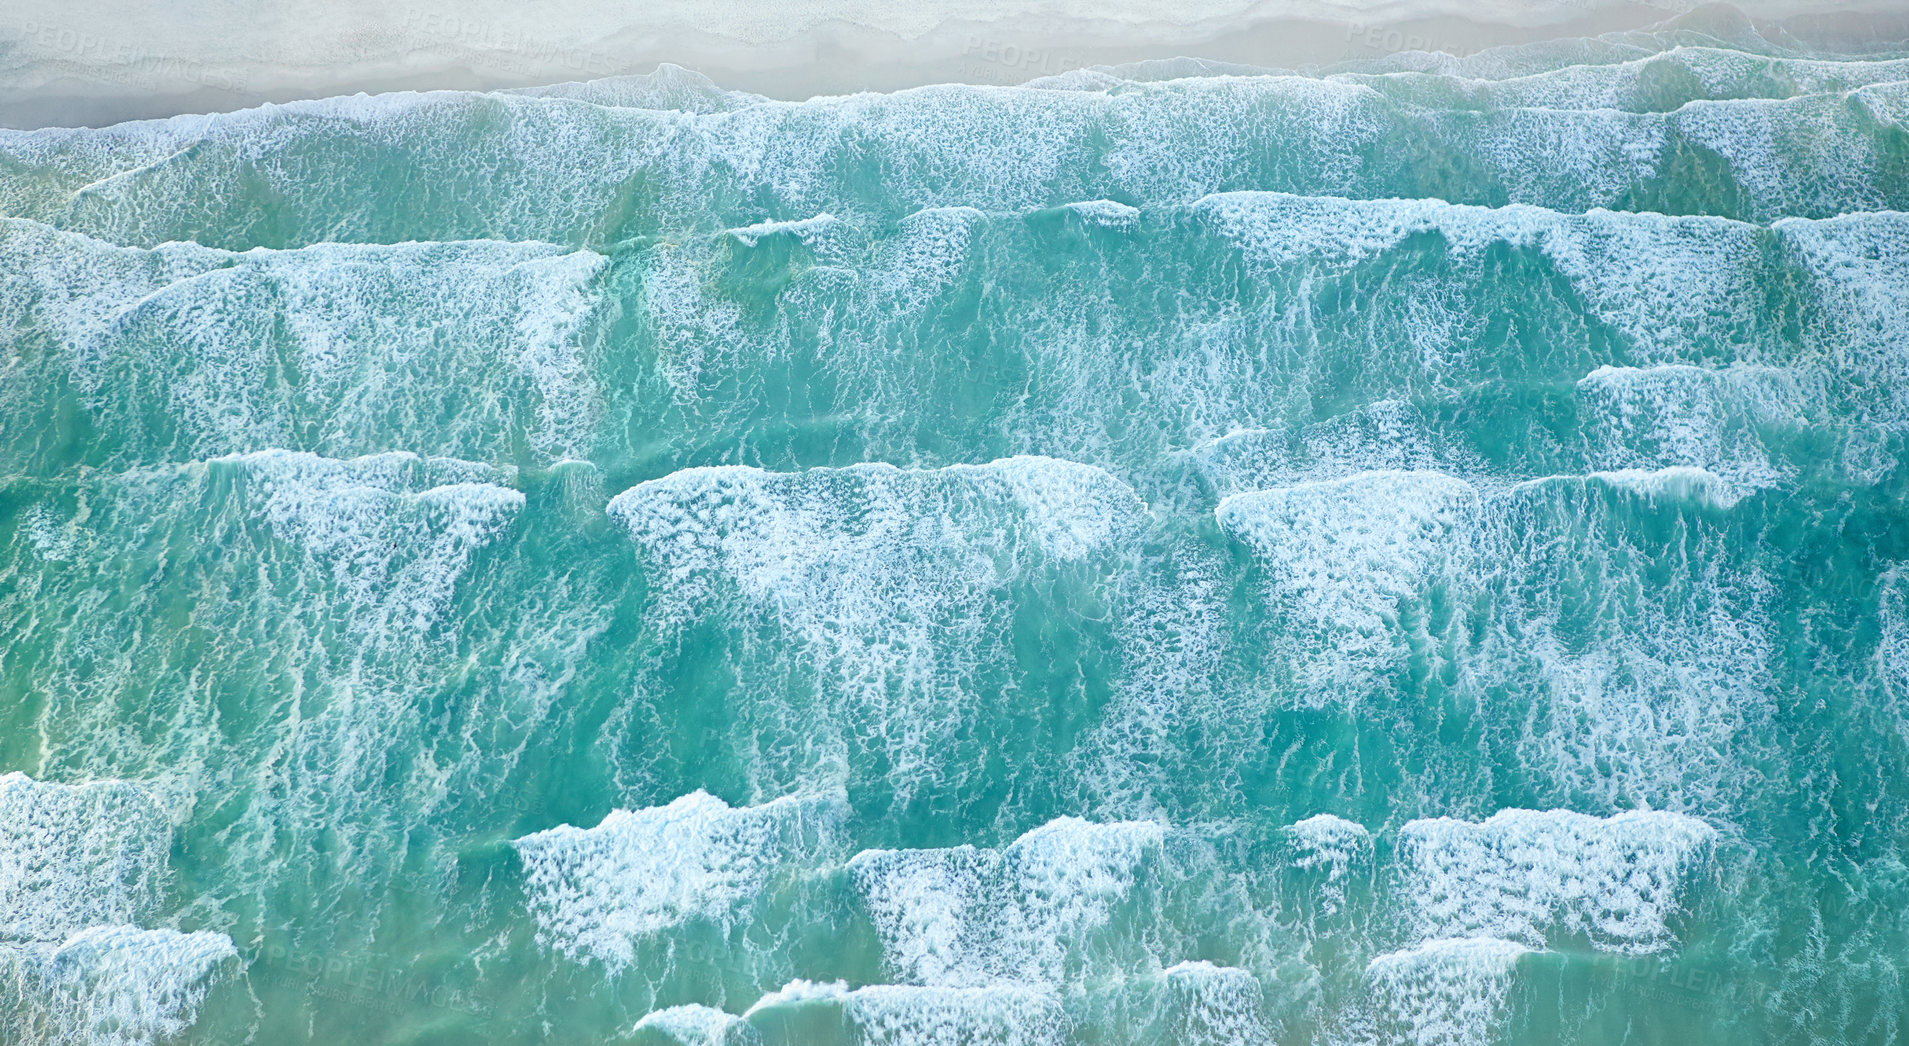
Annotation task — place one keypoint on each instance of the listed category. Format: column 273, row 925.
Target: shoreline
column 53, row 74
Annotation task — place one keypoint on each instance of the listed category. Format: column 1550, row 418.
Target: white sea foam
column 1342, row 555
column 799, row 992
column 1664, row 281
column 894, row 584
column 806, row 230
column 967, row 917
column 1330, row 846
column 1795, row 156
column 927, row 255
column 1172, row 638
column 1858, row 267
column 1107, row 213
column 669, row 86
column 1440, row 993
column 1663, row 291
column 1657, row 703
column 1527, row 875
column 695, row 1025
column 394, row 531
column 1635, row 84
column 53, row 539
column 1349, row 549
column 110, row 986
column 917, row 1015
column 560, row 166
column 1282, row 228
column 341, row 576
column 1672, row 288
column 1700, row 418
column 1661, row 696
column 1892, row 644
column 78, row 288
column 1379, row 436
column 1577, row 158
column 1212, row 1005
column 1857, row 260
column 375, row 338
column 1177, row 140
column 692, row 328
column 77, row 856
column 1675, row 482
column 909, row 1015
column 1665, row 708
column 597, row 891
column 782, row 534
column 555, row 144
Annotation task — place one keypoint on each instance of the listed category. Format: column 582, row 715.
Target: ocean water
column 1405, row 553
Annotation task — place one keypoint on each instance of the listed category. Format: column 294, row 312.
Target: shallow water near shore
column 1407, row 553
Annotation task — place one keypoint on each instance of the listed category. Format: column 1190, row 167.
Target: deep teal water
column 1409, row 554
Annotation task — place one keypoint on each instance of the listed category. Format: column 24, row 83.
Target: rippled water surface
column 1404, row 555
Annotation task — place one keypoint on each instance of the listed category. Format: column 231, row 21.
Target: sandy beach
column 91, row 63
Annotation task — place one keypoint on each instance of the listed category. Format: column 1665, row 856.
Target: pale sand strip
column 101, row 61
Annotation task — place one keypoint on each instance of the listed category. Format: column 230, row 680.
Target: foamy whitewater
column 1412, row 552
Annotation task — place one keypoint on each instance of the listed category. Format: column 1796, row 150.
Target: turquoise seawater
column 1405, row 554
